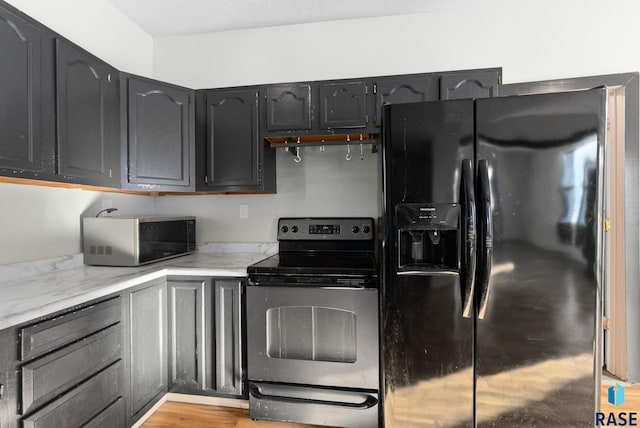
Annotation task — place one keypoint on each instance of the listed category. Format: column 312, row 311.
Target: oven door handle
column 369, row 402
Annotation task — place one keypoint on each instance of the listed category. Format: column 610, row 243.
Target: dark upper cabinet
column 146, row 335
column 26, row 97
column 343, row 105
column 403, row 89
column 470, row 84
column 316, row 108
column 288, row 107
column 231, row 156
column 159, row 132
column 87, row 112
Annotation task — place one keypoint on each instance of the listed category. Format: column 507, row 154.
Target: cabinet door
column 87, row 110
column 22, row 151
column 403, row 89
column 233, row 146
column 228, row 328
column 160, row 135
column 470, row 84
column 343, row 105
column 147, row 339
column 288, row 107
column 9, row 378
column 189, row 343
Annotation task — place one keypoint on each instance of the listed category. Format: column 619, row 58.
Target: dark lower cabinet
column 65, row 370
column 26, row 98
column 9, row 378
column 205, row 336
column 146, row 321
column 228, row 333
column 87, row 111
column 159, row 141
column 231, row 155
column 190, row 341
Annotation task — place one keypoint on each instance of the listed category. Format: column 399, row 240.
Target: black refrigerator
column 492, row 252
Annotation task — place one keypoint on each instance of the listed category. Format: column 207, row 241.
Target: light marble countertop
column 25, row 299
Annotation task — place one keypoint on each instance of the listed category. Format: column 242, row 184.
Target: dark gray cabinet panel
column 146, row 320
column 87, row 111
column 51, row 375
column 228, row 325
column 343, row 105
column 233, row 151
column 160, row 121
column 48, row 335
column 288, row 107
column 403, row 89
column 470, row 84
column 25, row 149
column 111, row 417
column 9, row 378
column 81, row 404
column 189, row 344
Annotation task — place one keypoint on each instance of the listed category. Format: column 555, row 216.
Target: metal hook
column 322, row 146
column 297, row 159
column 348, row 156
column 361, row 151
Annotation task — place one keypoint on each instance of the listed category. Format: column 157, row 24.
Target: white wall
column 530, row 39
column 323, row 182
column 40, row 222
column 97, row 26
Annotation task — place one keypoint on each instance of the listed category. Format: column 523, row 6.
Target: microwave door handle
column 485, row 237
column 468, row 220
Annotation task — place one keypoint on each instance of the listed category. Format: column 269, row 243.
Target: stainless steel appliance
column 134, row 241
column 312, row 325
column 492, row 261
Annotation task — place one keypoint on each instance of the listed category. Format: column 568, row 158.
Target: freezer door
column 427, row 328
column 539, row 182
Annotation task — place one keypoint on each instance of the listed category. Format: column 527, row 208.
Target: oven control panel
column 325, row 228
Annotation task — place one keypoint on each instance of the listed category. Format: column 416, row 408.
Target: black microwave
column 138, row 240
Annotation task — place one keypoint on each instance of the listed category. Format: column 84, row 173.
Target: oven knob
column 366, row 229
column 355, row 229
column 284, row 229
column 294, row 229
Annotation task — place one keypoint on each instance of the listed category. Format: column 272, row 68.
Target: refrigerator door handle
column 485, row 236
column 469, row 233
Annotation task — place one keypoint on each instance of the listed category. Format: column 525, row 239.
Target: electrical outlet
column 244, row 211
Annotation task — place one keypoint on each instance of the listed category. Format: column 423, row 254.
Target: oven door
column 313, row 335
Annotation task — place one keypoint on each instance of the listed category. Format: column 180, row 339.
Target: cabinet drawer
column 51, row 334
column 112, row 416
column 51, row 375
column 81, row 404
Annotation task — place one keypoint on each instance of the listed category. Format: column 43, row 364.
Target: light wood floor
column 182, row 415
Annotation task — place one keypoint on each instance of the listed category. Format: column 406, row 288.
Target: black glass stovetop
column 330, row 264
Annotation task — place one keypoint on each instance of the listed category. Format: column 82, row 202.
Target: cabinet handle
column 110, row 173
column 1, row 391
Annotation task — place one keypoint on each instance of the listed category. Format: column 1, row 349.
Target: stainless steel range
column 312, row 325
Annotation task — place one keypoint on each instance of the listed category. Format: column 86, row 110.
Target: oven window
column 311, row 333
